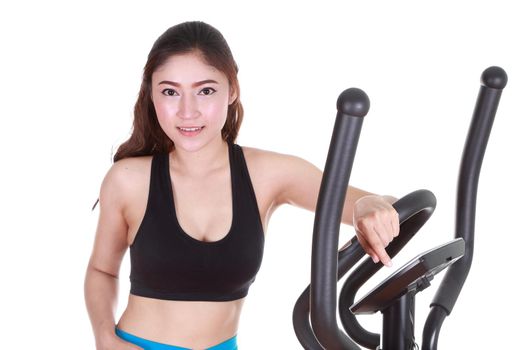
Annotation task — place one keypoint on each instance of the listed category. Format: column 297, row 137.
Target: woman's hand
column 376, row 223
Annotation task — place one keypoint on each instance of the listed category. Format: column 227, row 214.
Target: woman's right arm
column 101, row 282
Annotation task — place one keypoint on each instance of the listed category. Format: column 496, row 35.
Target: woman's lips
column 190, row 130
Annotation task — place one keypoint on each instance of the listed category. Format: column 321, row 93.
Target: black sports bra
column 167, row 263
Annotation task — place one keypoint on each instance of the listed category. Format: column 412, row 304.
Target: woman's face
column 191, row 100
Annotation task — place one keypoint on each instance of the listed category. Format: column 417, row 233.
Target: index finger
column 380, row 251
column 384, row 257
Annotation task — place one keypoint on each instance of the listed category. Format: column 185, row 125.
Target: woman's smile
column 190, row 131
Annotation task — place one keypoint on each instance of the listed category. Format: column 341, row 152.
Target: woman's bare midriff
column 189, row 324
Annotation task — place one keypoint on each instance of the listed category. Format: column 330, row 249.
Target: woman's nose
column 188, row 108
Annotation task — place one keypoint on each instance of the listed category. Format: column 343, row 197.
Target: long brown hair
column 147, row 137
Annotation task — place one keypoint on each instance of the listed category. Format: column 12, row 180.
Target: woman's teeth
column 190, row 129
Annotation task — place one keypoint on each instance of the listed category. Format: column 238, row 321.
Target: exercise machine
column 315, row 312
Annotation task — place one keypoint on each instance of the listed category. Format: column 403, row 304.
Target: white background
column 69, row 76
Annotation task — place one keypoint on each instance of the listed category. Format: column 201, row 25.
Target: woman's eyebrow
column 196, row 84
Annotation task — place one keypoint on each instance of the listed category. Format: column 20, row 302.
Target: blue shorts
column 230, row 344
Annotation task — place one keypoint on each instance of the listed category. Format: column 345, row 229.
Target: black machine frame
column 315, row 312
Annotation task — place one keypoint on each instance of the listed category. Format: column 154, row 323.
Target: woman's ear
column 233, row 95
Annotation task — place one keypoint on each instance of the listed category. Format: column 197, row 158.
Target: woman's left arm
column 375, row 220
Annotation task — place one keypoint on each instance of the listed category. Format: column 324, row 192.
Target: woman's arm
column 375, row 220
column 101, row 281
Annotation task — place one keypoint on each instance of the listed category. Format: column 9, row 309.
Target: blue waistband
column 230, row 344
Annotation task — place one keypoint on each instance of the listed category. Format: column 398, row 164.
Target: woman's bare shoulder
column 279, row 162
column 126, row 176
column 291, row 179
column 131, row 167
column 278, row 168
column 257, row 155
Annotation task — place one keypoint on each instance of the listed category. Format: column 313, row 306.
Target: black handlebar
column 352, row 105
column 493, row 80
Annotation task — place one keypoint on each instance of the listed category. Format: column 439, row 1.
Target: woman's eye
column 207, row 91
column 169, row 92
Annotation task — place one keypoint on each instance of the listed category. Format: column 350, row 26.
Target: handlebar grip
column 493, row 81
column 352, row 105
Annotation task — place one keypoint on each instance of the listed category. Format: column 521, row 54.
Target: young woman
column 192, row 206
